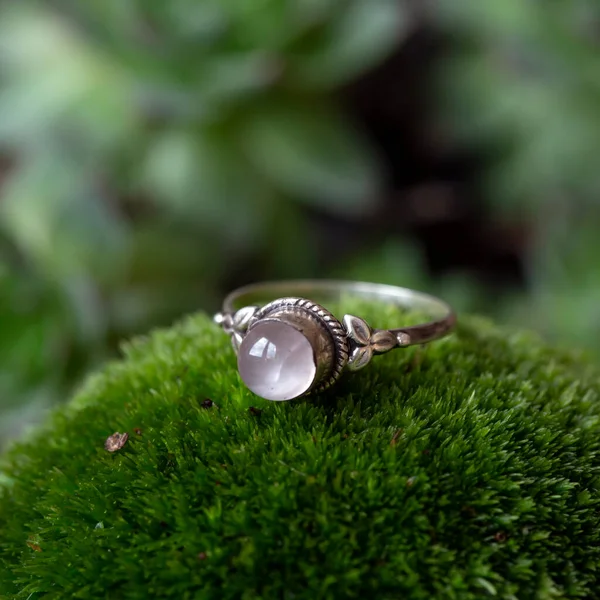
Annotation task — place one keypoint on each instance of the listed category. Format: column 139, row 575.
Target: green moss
column 466, row 470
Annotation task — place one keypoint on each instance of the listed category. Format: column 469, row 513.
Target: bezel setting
column 329, row 339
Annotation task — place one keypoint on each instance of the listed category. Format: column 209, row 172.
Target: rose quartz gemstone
column 276, row 361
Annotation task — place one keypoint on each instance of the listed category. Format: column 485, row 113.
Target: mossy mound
column 466, row 470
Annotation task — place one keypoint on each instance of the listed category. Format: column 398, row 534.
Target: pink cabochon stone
column 276, row 361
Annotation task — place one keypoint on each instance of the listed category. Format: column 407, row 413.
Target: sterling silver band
column 443, row 317
column 336, row 344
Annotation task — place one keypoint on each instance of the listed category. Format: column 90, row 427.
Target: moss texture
column 466, row 470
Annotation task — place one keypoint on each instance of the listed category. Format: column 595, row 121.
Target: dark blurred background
column 155, row 154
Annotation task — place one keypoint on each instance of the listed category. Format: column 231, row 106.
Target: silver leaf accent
column 236, row 340
column 360, row 357
column 382, row 341
column 357, row 329
column 242, row 317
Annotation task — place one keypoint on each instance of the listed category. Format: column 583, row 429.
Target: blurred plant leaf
column 202, row 176
column 32, row 358
column 54, row 83
column 30, row 325
column 362, row 34
column 313, row 154
column 60, row 221
column 233, row 77
column 521, row 83
column 394, row 261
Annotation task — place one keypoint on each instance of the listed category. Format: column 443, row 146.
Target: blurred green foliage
column 522, row 85
column 152, row 149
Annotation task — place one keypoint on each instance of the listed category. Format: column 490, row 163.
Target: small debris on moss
column 35, row 547
column 137, row 431
column 202, row 556
column 255, row 411
column 500, row 537
column 395, row 437
column 116, row 441
column 207, row 403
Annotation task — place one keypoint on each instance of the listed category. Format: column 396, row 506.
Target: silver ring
column 289, row 346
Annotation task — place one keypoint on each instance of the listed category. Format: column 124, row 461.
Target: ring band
column 289, row 346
